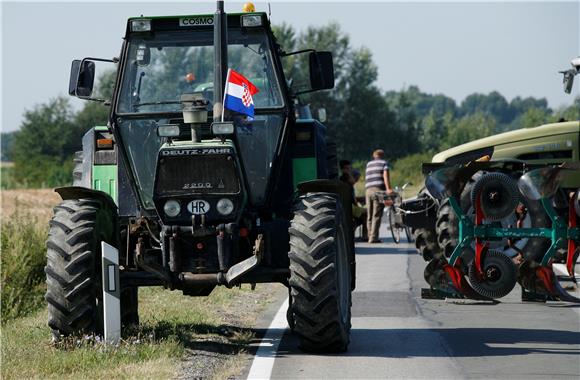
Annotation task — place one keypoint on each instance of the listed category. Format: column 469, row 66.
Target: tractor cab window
column 161, row 68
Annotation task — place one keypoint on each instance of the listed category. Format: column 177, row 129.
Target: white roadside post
column 111, row 294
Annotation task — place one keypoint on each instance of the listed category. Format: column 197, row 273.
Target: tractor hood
column 549, row 137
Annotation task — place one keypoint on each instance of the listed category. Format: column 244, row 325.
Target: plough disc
column 450, row 280
column 498, row 277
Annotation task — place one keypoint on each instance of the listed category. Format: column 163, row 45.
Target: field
column 179, row 336
column 37, row 203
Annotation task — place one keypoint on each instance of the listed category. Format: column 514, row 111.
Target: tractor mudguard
column 344, row 193
column 78, row 192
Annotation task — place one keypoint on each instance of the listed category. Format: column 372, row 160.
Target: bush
column 7, row 180
column 22, row 241
column 408, row 169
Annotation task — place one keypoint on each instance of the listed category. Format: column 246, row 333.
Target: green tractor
column 192, row 195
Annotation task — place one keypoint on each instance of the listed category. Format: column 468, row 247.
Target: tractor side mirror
column 321, row 70
column 82, row 78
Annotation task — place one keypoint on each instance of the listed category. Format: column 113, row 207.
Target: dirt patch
column 222, row 355
column 37, row 203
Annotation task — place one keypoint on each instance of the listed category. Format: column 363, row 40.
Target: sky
column 454, row 48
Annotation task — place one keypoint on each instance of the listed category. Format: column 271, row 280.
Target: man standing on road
column 377, row 179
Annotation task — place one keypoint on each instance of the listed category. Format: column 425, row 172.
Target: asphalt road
column 395, row 334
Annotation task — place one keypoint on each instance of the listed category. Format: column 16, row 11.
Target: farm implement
column 515, row 225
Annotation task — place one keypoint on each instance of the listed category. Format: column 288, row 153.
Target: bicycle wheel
column 395, row 231
column 408, row 234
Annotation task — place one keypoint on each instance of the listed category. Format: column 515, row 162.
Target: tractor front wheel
column 320, row 278
column 73, row 273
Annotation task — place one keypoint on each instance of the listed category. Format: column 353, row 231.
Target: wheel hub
column 492, row 273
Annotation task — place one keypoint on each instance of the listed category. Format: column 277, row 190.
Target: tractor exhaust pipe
column 220, row 41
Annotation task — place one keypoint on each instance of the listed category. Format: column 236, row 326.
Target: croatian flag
column 238, row 93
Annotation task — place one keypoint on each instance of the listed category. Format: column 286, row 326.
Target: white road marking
column 264, row 360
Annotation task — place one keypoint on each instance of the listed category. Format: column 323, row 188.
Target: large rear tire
column 320, row 278
column 426, row 243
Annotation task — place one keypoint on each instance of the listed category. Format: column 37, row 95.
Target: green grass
column 408, row 169
column 46, row 175
column 27, row 352
column 22, row 242
column 171, row 326
column 7, row 180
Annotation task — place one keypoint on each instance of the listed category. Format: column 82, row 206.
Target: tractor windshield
column 161, row 68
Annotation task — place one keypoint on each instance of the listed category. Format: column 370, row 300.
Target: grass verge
column 178, row 337
column 22, row 242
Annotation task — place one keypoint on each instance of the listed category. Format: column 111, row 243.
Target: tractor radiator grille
column 208, row 174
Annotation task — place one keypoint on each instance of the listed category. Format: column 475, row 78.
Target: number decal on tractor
column 198, row 207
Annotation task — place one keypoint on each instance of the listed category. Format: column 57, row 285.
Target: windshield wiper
column 161, row 102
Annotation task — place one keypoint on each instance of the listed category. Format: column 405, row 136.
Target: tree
column 7, row 139
column 359, row 116
column 434, row 130
column 533, row 117
column 366, row 122
column 45, row 143
column 469, row 128
column 567, row 113
column 492, row 104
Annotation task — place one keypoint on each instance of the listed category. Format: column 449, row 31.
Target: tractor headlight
column 249, row 21
column 168, row 130
column 222, row 128
column 172, row 208
column 141, row 25
column 225, row 206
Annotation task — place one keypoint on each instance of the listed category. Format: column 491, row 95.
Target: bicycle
column 395, row 213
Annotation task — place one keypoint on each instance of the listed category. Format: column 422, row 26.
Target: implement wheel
column 320, row 278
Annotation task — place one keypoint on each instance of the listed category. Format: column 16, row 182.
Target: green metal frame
column 303, row 170
column 105, row 177
column 559, row 234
